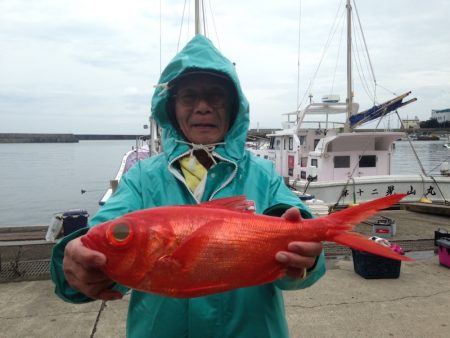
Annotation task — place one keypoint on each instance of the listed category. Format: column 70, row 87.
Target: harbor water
column 38, row 180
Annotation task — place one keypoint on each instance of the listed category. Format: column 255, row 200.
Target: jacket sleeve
column 284, row 199
column 127, row 198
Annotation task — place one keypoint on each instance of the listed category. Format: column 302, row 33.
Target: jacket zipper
column 180, row 177
column 232, row 176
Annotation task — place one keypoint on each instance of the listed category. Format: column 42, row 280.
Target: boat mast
column 349, row 100
column 198, row 28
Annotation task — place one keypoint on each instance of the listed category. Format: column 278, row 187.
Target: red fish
column 195, row 250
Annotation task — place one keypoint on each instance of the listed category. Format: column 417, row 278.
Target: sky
column 90, row 66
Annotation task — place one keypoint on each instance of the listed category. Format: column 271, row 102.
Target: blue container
column 74, row 220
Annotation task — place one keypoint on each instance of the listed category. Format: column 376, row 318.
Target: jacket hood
column 200, row 55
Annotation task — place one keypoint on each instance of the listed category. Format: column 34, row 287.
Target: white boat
column 323, row 153
column 145, row 147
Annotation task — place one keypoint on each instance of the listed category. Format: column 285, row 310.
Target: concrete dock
column 342, row 304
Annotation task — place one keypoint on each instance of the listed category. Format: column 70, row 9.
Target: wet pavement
column 342, row 304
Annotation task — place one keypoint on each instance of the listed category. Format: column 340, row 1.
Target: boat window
column 314, row 162
column 284, row 144
column 316, row 142
column 277, row 144
column 304, row 162
column 271, row 143
column 368, row 161
column 291, row 143
column 341, row 161
column 303, row 174
column 302, row 139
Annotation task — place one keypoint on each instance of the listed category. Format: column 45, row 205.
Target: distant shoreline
column 75, row 138
column 58, row 138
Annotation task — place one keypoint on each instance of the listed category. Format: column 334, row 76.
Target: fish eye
column 120, row 231
column 119, row 234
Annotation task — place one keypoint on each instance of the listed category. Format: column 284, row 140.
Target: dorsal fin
column 235, row 203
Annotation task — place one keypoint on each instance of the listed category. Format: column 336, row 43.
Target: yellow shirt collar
column 193, row 171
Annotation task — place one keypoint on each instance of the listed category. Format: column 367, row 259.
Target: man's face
column 201, row 108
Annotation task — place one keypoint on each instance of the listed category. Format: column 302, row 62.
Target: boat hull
column 362, row 189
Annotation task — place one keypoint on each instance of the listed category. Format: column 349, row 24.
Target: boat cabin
column 321, row 155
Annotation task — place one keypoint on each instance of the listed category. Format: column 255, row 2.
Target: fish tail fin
column 359, row 242
column 348, row 218
column 339, row 224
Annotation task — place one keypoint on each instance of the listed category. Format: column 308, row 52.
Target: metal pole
column 197, row 17
column 349, row 66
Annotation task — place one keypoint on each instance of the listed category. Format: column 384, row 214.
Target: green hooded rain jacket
column 247, row 312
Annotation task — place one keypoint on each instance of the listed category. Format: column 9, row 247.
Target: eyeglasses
column 215, row 97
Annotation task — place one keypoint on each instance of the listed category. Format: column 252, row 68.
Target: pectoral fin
column 199, row 244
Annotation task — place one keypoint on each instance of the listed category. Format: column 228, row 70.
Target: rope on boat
column 331, row 34
column 214, row 24
column 445, row 160
column 439, row 188
column 420, row 163
column 342, row 193
column 411, row 145
column 181, row 25
column 367, row 52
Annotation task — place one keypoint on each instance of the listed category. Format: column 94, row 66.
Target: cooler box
column 74, row 220
column 444, row 251
column 384, row 227
column 372, row 266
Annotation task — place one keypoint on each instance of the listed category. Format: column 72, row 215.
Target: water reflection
column 431, row 154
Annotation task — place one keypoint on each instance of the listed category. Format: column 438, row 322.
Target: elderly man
column 204, row 116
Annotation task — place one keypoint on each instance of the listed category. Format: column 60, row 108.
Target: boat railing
column 320, row 124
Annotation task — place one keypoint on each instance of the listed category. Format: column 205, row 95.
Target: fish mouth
column 88, row 242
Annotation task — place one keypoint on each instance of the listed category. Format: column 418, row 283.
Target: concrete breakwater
column 57, row 138
column 37, row 138
column 74, row 138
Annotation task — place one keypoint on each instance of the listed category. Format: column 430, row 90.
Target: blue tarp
column 379, row 110
column 374, row 113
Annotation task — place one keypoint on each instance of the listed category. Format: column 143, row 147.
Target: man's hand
column 82, row 269
column 300, row 255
